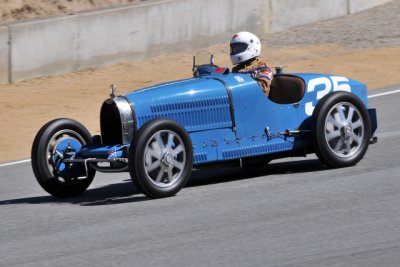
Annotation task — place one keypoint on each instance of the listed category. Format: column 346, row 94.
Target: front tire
column 55, row 141
column 341, row 129
column 161, row 158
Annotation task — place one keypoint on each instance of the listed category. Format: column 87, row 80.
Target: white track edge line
column 28, row 160
column 15, row 162
column 386, row 93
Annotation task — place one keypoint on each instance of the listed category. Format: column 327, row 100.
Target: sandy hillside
column 366, row 51
column 11, row 10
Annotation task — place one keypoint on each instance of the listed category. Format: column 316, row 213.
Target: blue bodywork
column 226, row 115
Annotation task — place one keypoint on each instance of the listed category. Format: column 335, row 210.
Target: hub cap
column 344, row 130
column 64, row 144
column 165, row 158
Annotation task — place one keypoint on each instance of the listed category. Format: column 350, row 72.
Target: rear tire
column 341, row 129
column 54, row 141
column 161, row 158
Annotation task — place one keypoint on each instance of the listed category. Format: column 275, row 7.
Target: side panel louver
column 194, row 115
column 254, row 150
column 200, row 158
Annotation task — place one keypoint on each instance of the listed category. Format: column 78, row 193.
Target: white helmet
column 244, row 46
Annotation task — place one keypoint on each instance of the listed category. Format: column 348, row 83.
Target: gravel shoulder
column 373, row 28
column 364, row 46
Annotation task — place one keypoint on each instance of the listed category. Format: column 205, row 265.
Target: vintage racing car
column 160, row 133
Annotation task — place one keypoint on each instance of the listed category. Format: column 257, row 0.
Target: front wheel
column 58, row 140
column 161, row 158
column 341, row 129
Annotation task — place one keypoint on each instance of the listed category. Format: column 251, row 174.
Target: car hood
column 197, row 104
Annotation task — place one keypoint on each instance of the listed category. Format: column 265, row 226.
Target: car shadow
column 223, row 175
column 116, row 193
column 126, row 192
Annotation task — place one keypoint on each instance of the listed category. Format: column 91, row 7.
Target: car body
column 160, row 133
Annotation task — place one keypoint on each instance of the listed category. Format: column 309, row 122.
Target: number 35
column 325, row 85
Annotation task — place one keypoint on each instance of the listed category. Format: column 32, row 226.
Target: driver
column 245, row 50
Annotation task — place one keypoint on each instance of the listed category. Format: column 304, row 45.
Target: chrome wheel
column 62, row 145
column 55, row 142
column 344, row 130
column 160, row 158
column 165, row 158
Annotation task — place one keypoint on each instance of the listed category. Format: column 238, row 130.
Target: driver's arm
column 263, row 75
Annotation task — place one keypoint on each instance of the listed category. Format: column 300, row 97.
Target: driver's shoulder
column 260, row 64
column 253, row 66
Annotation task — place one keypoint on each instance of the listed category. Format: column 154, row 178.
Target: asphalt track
column 293, row 213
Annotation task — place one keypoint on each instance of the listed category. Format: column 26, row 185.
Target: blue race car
column 160, row 133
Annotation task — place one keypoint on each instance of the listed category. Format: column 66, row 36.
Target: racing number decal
column 323, row 86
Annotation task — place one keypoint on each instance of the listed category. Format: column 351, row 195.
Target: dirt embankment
column 365, row 46
column 12, row 10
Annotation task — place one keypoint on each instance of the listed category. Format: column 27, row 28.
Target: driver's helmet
column 244, row 46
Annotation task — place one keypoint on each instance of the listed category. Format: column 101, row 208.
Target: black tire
column 341, row 129
column 55, row 177
column 161, row 158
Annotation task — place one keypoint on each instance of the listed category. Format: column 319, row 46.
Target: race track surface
column 293, row 213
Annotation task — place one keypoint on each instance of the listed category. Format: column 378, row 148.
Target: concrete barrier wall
column 43, row 47
column 68, row 43
column 167, row 26
column 360, row 5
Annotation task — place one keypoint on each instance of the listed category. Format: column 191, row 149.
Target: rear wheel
column 57, row 140
column 161, row 158
column 341, row 129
